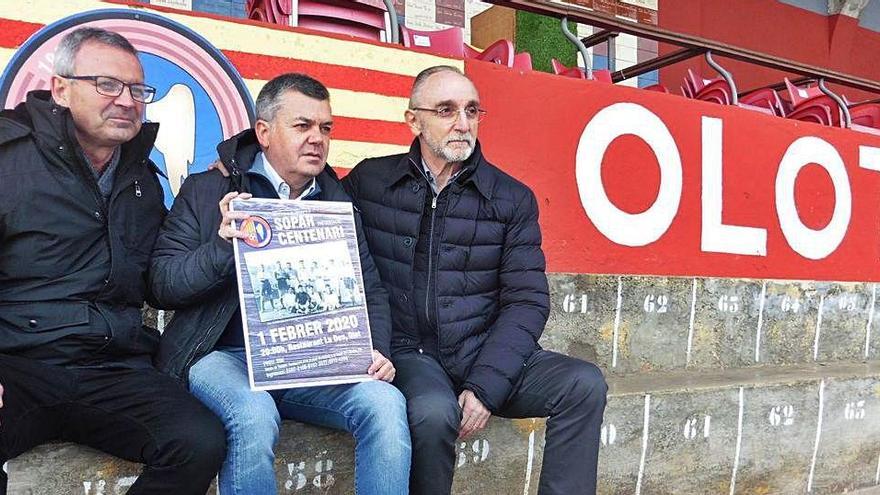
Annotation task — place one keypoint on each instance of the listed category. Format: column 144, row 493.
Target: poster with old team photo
column 302, row 294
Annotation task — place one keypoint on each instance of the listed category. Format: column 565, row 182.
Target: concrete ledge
column 310, row 460
column 628, row 324
column 673, row 323
column 778, row 431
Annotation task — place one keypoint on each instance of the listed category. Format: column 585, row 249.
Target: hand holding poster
column 301, row 291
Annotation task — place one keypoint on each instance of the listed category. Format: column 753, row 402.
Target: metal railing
column 695, row 44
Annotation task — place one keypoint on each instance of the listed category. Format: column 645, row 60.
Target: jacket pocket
column 43, row 316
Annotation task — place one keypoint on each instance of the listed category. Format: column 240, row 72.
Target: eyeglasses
column 110, row 86
column 449, row 114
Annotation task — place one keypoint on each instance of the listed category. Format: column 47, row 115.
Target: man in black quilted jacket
column 458, row 248
column 80, row 208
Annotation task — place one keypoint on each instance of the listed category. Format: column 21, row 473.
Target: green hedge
column 542, row 36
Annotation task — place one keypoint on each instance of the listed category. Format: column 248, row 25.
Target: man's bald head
column 415, row 98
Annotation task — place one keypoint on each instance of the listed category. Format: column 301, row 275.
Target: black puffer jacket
column 193, row 269
column 73, row 269
column 491, row 290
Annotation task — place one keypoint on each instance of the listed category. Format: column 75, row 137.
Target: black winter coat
column 72, row 269
column 490, row 286
column 193, row 269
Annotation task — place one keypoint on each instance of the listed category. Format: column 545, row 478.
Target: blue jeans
column 373, row 411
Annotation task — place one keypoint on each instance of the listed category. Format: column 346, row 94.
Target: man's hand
column 474, row 414
column 382, row 368
column 217, row 164
column 226, row 231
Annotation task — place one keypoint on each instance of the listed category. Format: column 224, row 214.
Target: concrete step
column 310, row 460
column 804, row 429
column 779, row 430
column 629, row 324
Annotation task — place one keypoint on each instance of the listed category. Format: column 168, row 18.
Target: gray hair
column 70, row 45
column 423, row 76
column 268, row 101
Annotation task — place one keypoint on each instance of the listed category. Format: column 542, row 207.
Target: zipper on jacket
column 430, row 259
column 430, row 270
column 119, row 190
column 428, row 285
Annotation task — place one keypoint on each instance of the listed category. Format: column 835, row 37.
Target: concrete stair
column 717, row 386
column 795, row 429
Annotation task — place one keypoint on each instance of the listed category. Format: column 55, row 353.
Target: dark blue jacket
column 491, row 294
column 193, row 270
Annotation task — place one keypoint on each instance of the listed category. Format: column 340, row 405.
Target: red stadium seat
column 686, row 91
column 867, row 115
column 257, row 13
column 810, row 104
column 601, row 75
column 501, row 52
column 863, row 114
column 354, row 18
column 722, row 90
column 715, row 90
column 359, row 18
column 657, row 87
column 523, row 61
column 764, row 98
column 263, row 10
column 561, row 69
column 450, row 42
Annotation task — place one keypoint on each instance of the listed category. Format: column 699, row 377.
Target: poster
column 302, row 294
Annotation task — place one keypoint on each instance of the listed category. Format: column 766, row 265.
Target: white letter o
column 628, row 229
column 809, row 243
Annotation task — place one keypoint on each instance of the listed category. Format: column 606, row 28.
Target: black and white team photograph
column 303, row 280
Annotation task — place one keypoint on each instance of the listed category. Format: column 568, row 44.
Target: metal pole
column 392, row 17
column 588, row 63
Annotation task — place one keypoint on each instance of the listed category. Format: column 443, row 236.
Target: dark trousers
column 569, row 391
column 140, row 415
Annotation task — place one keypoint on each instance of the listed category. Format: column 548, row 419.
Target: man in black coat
column 193, row 271
column 458, row 247
column 80, row 207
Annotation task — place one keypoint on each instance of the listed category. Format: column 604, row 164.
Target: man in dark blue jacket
column 458, row 247
column 80, row 207
column 193, row 271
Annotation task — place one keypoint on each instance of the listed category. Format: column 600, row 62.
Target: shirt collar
column 471, row 171
column 432, row 180
column 106, row 177
column 263, row 167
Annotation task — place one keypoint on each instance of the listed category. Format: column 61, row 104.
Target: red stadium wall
column 536, row 131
